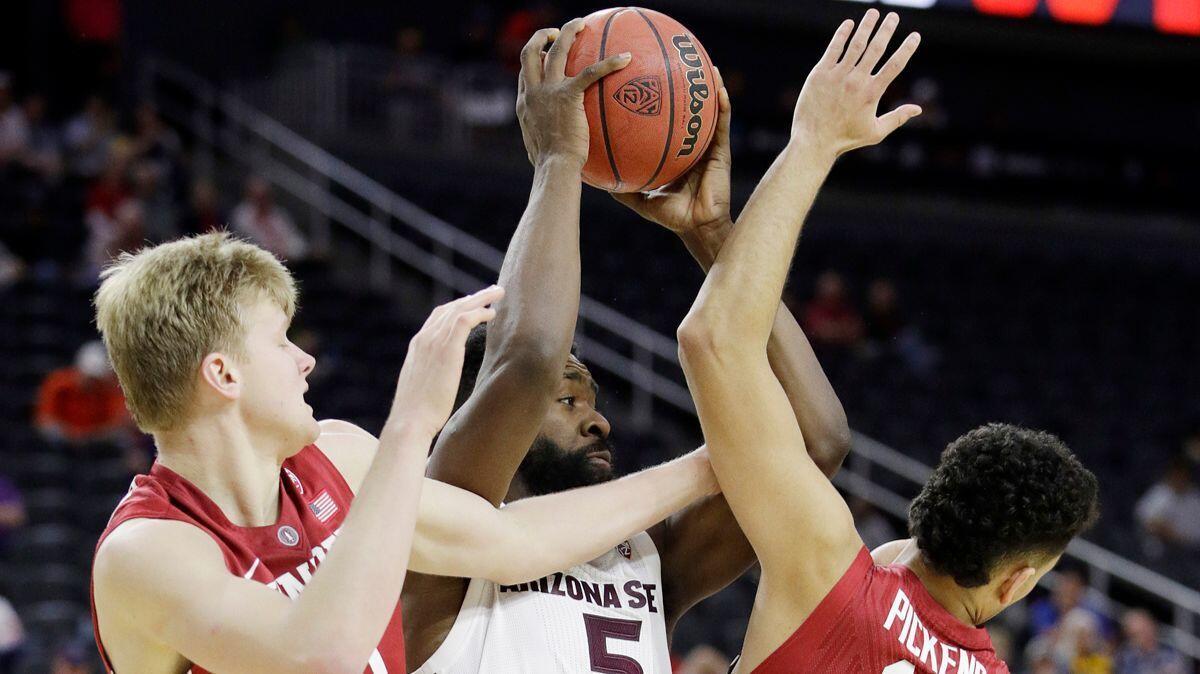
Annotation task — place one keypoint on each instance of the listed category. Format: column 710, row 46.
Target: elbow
column 532, row 361
column 701, row 337
column 831, row 449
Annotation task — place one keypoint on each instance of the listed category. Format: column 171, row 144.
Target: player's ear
column 1017, row 582
column 220, row 374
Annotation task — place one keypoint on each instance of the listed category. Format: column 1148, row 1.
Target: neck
column 951, row 596
column 222, row 459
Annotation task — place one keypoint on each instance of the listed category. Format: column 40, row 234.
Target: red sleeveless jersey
column 881, row 620
column 314, row 500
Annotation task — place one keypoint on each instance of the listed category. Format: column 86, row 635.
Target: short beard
column 549, row 469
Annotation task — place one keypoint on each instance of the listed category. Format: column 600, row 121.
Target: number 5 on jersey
column 600, row 630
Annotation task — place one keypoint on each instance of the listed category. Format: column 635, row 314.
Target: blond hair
column 163, row 309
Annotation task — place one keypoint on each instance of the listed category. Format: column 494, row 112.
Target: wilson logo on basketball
column 642, row 95
column 698, row 90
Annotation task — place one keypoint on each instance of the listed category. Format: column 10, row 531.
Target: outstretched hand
column 699, row 198
column 550, row 104
column 428, row 381
column 838, row 105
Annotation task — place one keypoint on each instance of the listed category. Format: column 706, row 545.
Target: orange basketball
column 653, row 119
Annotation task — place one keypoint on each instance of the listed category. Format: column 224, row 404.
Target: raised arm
column 167, row 582
column 530, row 338
column 702, row 547
column 797, row 523
column 459, row 534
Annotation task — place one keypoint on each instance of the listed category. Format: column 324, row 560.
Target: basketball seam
column 670, row 97
column 612, row 162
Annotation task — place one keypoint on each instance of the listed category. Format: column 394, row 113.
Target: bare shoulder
column 349, row 447
column 133, row 555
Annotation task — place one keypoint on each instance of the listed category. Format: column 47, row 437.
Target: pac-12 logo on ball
column 642, row 95
column 697, row 90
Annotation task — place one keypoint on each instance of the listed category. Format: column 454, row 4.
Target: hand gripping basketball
column 838, row 104
column 550, row 104
column 429, row 378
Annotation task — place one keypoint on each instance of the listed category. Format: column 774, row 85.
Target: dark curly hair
column 1000, row 491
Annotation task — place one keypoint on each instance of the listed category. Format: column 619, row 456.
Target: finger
column 477, row 299
column 594, row 72
column 895, row 65
column 556, row 60
column 858, row 43
column 837, row 45
column 897, row 118
column 531, row 55
column 724, row 114
column 880, row 42
column 718, row 81
column 466, row 321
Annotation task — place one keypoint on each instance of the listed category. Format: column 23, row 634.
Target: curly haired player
column 995, row 516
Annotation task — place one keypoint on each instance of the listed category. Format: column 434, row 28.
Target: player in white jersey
column 528, row 425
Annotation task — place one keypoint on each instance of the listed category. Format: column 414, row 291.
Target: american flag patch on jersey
column 323, row 507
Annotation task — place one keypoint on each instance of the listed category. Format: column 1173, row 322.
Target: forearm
column 536, row 536
column 586, row 522
column 350, row 599
column 745, row 282
column 818, row 410
column 541, row 269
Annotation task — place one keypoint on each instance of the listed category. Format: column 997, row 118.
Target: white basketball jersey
column 602, row 616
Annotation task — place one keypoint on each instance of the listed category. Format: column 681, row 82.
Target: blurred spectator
column 888, row 330
column 107, row 238
column 1069, row 593
column 204, row 212
column 74, row 657
column 829, row 319
column 704, row 660
column 158, row 143
column 11, row 266
column 12, row 511
column 111, row 186
column 1075, row 646
column 42, row 151
column 14, row 132
column 88, row 135
column 160, row 222
column 873, row 527
column 262, row 221
column 1169, row 512
column 12, row 638
column 82, row 403
column 1142, row 652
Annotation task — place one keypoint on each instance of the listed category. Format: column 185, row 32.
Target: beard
column 548, row 468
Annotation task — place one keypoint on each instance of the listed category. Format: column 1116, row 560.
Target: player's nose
column 595, row 425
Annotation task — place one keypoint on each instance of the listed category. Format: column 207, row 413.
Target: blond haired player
column 263, row 541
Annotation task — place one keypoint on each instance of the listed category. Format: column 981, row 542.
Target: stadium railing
column 398, row 232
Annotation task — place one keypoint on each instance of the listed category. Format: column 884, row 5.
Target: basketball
column 652, row 120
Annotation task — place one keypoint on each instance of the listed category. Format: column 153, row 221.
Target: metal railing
column 398, row 231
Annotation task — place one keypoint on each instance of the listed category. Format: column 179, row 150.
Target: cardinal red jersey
column 881, row 620
column 314, row 500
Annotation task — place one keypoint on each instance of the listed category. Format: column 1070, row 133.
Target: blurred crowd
column 81, row 184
